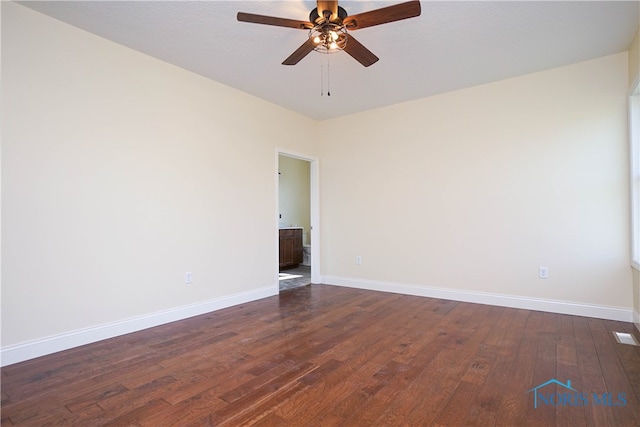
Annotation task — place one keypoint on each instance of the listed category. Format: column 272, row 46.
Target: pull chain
column 328, row 76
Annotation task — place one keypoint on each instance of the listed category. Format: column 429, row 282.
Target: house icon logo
column 564, row 395
column 551, row 381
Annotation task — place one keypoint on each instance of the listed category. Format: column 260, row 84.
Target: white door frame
column 314, row 198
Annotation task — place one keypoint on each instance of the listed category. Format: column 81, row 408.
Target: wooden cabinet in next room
column 290, row 247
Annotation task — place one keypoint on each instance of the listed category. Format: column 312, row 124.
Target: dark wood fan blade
column 359, row 52
column 300, row 53
column 384, row 15
column 331, row 6
column 272, row 20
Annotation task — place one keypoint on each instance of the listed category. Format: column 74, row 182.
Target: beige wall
column 474, row 190
column 634, row 79
column 634, row 60
column 119, row 174
column 294, row 193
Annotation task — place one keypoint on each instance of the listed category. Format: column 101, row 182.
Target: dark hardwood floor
column 325, row 355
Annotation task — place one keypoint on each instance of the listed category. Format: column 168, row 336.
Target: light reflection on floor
column 294, row 277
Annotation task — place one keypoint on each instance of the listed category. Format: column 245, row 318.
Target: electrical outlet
column 543, row 272
column 358, row 260
column 188, row 278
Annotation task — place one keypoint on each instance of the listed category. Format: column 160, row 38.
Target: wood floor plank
column 327, row 355
column 377, row 392
column 617, row 383
column 266, row 409
column 137, row 413
column 358, row 367
column 429, row 390
column 514, row 409
column 456, row 409
column 377, row 376
column 480, row 365
column 567, row 369
column 270, row 390
column 467, row 339
column 191, row 411
column 485, row 408
column 628, row 354
column 591, row 374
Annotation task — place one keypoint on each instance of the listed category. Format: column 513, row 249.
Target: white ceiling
column 452, row 45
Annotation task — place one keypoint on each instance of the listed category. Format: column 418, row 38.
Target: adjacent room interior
column 294, row 222
column 143, row 204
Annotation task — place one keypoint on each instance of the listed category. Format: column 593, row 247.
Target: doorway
column 297, row 220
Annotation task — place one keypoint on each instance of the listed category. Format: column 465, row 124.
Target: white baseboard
column 41, row 347
column 538, row 304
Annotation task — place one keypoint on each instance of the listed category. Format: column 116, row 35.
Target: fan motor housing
column 315, row 17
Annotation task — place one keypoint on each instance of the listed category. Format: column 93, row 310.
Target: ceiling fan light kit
column 328, row 38
column 328, row 27
column 329, row 35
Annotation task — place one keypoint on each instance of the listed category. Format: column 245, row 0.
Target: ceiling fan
column 329, row 26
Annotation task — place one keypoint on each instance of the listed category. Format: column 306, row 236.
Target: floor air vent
column 624, row 338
